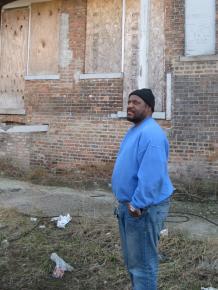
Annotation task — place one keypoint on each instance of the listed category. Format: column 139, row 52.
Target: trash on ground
column 42, row 226
column 164, row 233
column 61, row 266
column 33, row 219
column 2, row 227
column 62, row 220
column 5, row 243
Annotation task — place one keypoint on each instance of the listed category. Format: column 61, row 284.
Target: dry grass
column 92, row 247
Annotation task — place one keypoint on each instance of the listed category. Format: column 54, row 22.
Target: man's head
column 140, row 105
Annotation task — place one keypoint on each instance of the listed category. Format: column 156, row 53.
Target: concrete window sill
column 155, row 115
column 9, row 111
column 199, row 58
column 42, row 77
column 88, row 76
column 23, row 128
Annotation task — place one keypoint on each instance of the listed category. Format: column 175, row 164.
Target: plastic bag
column 62, row 220
column 61, row 266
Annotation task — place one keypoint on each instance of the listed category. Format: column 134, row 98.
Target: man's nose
column 130, row 105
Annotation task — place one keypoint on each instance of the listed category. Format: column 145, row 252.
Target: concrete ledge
column 9, row 111
column 42, row 77
column 25, row 129
column 101, row 76
column 199, row 58
column 159, row 115
column 22, row 3
column 155, row 115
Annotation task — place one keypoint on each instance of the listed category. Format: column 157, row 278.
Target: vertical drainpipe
column 143, row 43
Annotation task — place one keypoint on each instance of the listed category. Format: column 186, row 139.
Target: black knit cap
column 146, row 95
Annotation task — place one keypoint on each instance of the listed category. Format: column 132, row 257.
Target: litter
column 62, row 220
column 210, row 288
column 164, row 233
column 33, row 219
column 5, row 243
column 61, row 266
column 42, row 226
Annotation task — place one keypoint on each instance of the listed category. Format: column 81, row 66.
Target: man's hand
column 133, row 211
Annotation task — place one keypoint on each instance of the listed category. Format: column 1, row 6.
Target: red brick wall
column 83, row 139
column 194, row 131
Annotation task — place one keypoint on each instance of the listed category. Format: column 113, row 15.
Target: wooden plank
column 104, row 36
column 44, row 38
column 14, row 38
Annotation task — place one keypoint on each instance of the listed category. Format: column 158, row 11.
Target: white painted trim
column 123, row 33
column 199, row 58
column 123, row 115
column 159, row 115
column 11, row 111
column 101, row 76
column 42, row 77
column 1, row 34
column 28, row 44
column 169, row 96
column 27, row 129
column 144, row 43
column 22, row 3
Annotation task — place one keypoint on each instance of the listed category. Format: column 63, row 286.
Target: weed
column 92, row 246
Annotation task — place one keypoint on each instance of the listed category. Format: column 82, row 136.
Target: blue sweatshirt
column 140, row 174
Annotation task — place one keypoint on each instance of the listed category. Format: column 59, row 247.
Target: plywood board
column 44, row 38
column 14, row 39
column 104, row 36
column 131, row 52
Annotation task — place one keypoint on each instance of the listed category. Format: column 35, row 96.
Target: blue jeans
column 139, row 241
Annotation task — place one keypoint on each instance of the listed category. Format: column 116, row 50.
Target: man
column 142, row 186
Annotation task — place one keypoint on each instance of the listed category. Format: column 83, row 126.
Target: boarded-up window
column 104, row 36
column 200, row 27
column 44, row 38
column 29, row 46
column 14, row 40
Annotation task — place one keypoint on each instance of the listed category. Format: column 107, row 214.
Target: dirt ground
column 90, row 242
column 186, row 215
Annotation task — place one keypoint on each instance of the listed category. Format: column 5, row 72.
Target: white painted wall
column 200, row 27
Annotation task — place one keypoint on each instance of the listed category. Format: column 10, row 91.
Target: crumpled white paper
column 164, row 232
column 62, row 220
column 210, row 288
column 61, row 266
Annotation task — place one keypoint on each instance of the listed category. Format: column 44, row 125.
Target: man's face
column 137, row 109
